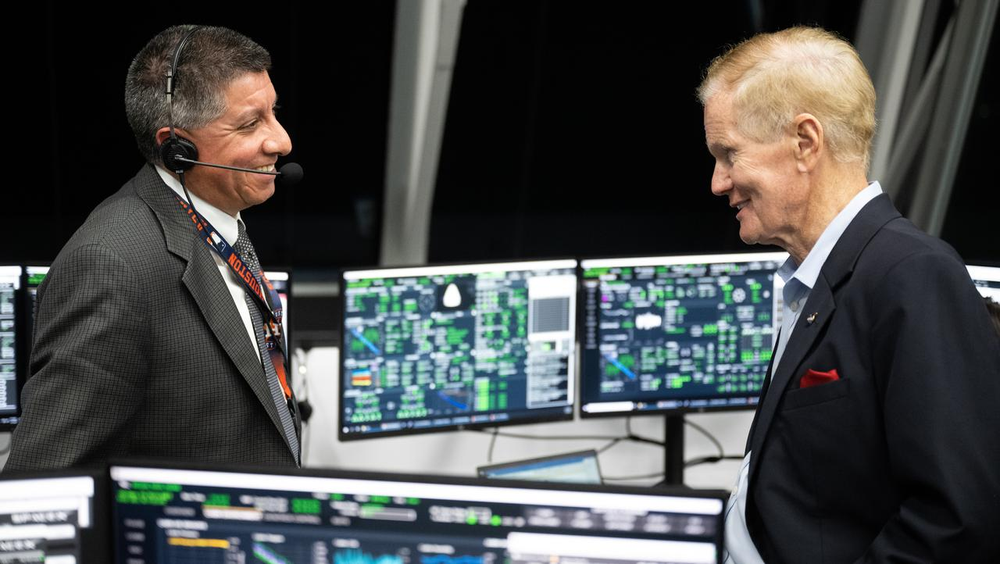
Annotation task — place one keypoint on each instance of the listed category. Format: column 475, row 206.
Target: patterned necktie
column 245, row 248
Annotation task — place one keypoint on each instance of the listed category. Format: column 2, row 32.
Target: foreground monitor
column 167, row 515
column 987, row 280
column 446, row 347
column 56, row 519
column 11, row 363
column 676, row 334
column 571, row 468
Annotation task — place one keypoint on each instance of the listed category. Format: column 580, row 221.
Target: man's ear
column 162, row 135
column 809, row 141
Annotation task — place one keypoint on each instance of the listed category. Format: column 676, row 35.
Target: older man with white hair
column 877, row 437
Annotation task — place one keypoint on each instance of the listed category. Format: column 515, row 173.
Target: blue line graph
column 620, row 366
column 445, row 559
column 265, row 554
column 369, row 344
column 354, row 556
column 452, row 401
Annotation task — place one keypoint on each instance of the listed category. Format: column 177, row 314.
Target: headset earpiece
column 177, row 146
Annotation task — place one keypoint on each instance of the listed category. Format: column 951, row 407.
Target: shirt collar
column 809, row 270
column 224, row 223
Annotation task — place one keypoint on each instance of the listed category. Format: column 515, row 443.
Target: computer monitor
column 10, row 361
column 55, row 517
column 573, row 468
column 446, row 347
column 678, row 333
column 282, row 282
column 33, row 278
column 167, row 514
column 987, row 280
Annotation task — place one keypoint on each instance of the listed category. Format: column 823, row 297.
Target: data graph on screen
column 436, row 347
column 677, row 333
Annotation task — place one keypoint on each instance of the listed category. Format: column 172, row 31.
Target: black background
column 573, row 129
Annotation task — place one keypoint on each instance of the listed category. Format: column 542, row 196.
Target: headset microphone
column 289, row 174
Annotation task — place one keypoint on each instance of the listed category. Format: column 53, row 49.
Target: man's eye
column 250, row 125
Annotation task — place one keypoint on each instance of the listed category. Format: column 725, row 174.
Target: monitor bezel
column 651, row 260
column 571, row 264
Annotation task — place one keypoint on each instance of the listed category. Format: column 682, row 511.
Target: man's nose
column 721, row 181
column 278, row 142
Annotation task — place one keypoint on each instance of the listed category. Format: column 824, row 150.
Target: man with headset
column 156, row 333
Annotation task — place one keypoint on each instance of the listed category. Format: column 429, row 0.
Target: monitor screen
column 180, row 515
column 33, row 277
column 437, row 348
column 674, row 334
column 52, row 519
column 573, row 468
column 10, row 283
column 987, row 280
column 282, row 282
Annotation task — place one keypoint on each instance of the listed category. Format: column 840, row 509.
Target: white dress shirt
column 226, row 225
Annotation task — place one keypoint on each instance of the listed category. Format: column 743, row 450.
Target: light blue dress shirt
column 799, row 281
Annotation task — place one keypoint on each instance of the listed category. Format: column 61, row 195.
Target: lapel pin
column 812, row 317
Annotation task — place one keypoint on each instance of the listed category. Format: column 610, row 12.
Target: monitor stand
column 673, row 463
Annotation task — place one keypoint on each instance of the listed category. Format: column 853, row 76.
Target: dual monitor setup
column 465, row 346
column 482, row 345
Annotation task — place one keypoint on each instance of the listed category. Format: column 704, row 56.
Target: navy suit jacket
column 899, row 459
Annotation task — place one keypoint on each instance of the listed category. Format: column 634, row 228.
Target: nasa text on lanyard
column 273, row 337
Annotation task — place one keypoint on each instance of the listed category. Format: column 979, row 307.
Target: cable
column 636, row 477
column 493, row 443
column 703, row 431
column 711, row 460
column 548, row 438
column 637, row 438
column 609, row 445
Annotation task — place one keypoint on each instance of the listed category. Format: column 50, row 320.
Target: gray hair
column 212, row 58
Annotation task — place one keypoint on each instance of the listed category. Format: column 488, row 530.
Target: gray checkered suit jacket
column 139, row 349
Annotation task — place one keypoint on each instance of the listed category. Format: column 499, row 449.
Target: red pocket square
column 815, row 378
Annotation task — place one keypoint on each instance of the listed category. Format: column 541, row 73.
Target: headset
column 179, row 154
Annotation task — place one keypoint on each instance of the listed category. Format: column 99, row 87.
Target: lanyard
column 272, row 316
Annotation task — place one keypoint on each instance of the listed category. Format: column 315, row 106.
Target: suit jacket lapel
column 206, row 286
column 803, row 337
column 820, row 308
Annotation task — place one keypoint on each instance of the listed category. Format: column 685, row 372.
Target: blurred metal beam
column 963, row 69
column 426, row 39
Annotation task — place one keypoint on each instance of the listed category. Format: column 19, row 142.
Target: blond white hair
column 774, row 77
